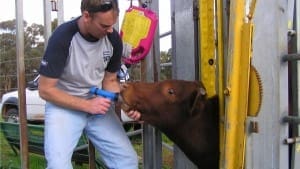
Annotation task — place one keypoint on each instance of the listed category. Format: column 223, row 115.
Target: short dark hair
column 93, row 6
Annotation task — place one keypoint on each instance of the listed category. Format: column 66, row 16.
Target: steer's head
column 165, row 101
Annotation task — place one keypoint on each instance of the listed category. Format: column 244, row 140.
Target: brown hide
column 183, row 112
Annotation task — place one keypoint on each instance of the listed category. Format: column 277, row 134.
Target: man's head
column 99, row 17
column 93, row 6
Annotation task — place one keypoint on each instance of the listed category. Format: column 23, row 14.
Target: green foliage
column 54, row 24
column 166, row 68
column 33, row 51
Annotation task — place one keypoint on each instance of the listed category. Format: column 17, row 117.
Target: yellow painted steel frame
column 207, row 46
column 232, row 114
column 211, row 56
column 237, row 87
column 220, row 75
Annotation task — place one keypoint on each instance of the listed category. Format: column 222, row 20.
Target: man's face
column 101, row 23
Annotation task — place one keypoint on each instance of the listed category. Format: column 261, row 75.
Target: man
column 82, row 53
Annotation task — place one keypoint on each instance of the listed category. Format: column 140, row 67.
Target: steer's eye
column 171, row 91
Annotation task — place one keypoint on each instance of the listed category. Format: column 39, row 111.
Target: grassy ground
column 167, row 155
column 10, row 160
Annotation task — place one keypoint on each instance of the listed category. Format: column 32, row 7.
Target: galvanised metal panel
column 297, row 145
column 265, row 149
column 152, row 144
column 183, row 35
column 183, row 53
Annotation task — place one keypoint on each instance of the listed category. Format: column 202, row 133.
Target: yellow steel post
column 212, row 56
column 220, row 76
column 207, row 46
column 233, row 115
column 237, row 87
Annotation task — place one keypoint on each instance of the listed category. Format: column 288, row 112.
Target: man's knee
column 58, row 162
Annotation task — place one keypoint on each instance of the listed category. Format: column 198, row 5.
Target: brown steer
column 182, row 111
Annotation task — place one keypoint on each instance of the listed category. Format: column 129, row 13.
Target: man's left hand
column 133, row 114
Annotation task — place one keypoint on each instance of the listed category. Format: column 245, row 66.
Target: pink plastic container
column 138, row 30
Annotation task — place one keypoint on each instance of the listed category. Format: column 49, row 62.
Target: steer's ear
column 199, row 100
column 202, row 91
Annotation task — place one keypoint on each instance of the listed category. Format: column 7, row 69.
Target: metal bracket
column 292, row 140
column 291, row 57
column 291, row 119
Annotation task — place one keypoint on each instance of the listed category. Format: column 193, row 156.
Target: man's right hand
column 98, row 105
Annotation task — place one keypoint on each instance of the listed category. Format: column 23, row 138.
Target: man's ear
column 86, row 15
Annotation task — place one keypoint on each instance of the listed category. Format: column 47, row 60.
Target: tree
column 166, row 67
column 33, row 50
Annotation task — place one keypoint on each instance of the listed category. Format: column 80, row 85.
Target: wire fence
column 9, row 73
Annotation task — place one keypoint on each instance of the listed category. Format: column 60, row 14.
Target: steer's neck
column 186, row 132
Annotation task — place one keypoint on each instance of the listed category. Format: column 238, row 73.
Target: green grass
column 10, row 160
column 167, row 155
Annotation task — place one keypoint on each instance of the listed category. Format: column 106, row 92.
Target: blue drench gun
column 103, row 93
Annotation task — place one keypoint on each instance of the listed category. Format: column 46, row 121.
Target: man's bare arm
column 49, row 92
